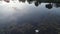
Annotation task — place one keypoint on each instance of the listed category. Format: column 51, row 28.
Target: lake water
column 30, row 13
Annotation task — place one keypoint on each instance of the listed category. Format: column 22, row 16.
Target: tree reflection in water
column 49, row 6
column 38, row 2
column 7, row 1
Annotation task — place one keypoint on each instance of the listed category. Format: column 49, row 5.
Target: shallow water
column 26, row 12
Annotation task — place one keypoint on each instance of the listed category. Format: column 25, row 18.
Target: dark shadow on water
column 30, row 29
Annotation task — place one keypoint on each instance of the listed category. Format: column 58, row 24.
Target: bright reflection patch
column 36, row 30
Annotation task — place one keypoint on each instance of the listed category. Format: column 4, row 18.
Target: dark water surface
column 29, row 17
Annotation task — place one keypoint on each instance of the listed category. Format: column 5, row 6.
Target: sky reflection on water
column 16, row 11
